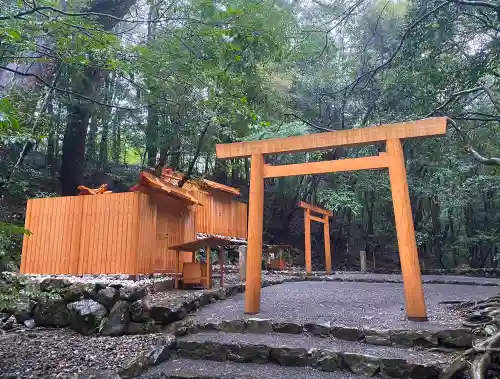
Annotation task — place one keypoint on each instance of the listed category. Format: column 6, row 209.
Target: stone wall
column 86, row 307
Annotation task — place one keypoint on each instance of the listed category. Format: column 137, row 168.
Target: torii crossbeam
column 392, row 159
column 308, row 217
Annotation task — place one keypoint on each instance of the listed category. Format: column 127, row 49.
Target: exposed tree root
column 483, row 317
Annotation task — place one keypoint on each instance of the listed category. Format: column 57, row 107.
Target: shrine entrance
column 392, row 158
column 308, row 218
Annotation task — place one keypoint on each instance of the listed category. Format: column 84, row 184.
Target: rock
column 221, row 294
column 86, row 316
column 181, row 328
column 205, row 299
column 395, row 368
column 163, row 285
column 325, row 360
column 248, row 353
column 413, row 338
column 51, row 312
column 455, row 338
column 117, row 322
column 80, row 291
column 135, row 367
column 141, row 328
column 208, row 326
column 232, row 326
column 159, row 355
column 8, row 324
column 108, row 297
column 140, row 310
column 322, row 330
column 132, row 293
column 30, row 324
column 361, row 364
column 289, row 356
column 202, row 350
column 258, row 325
column 23, row 309
column 424, row 371
column 349, row 334
column 378, row 337
column 402, row 337
column 287, row 327
column 54, row 284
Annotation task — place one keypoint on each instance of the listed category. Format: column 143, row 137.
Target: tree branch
column 323, row 129
column 405, row 35
column 452, row 97
column 492, row 161
column 63, row 90
column 97, row 14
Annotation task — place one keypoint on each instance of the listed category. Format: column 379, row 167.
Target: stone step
column 326, row 354
column 183, row 368
column 458, row 338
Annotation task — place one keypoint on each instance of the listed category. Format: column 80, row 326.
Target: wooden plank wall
column 108, row 242
column 146, row 243
column 54, row 244
column 220, row 214
column 174, row 225
column 113, row 233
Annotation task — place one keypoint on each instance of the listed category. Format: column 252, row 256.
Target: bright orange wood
column 317, row 219
column 315, row 209
column 105, row 234
column 255, row 227
column 411, row 129
column 352, row 164
column 410, row 267
column 328, row 256
column 307, row 234
column 191, row 273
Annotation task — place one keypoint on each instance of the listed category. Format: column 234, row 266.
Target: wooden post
column 373, row 255
column 208, row 253
column 221, row 265
column 307, row 246
column 177, row 270
column 255, row 225
column 328, row 257
column 408, row 254
column 362, row 260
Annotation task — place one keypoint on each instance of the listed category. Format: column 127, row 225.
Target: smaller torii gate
column 308, row 208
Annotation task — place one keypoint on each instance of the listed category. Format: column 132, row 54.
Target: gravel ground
column 195, row 368
column 124, row 280
column 308, row 342
column 425, row 278
column 62, row 353
column 375, row 306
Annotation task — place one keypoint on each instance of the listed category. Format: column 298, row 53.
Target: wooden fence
column 112, row 233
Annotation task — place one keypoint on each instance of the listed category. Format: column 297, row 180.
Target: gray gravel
column 61, row 353
column 353, row 304
column 193, row 368
column 308, row 342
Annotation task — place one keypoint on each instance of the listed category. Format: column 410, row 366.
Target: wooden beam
column 317, row 219
column 352, row 164
column 255, row 226
column 315, row 209
column 408, row 254
column 328, row 257
column 412, row 129
column 307, row 243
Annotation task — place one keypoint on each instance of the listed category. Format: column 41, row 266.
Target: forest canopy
column 93, row 91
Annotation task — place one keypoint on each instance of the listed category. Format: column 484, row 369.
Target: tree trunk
column 73, row 152
column 91, row 155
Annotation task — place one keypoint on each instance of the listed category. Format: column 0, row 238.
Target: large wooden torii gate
column 393, row 159
column 308, row 208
